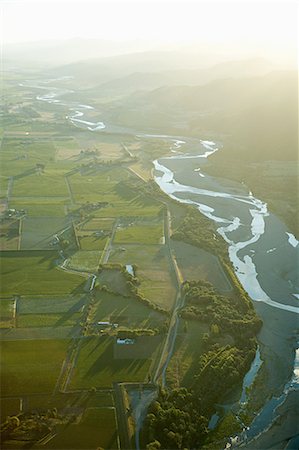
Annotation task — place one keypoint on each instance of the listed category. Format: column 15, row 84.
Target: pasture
column 38, row 232
column 140, row 233
column 153, row 271
column 29, row 369
column 6, row 312
column 91, row 242
column 40, row 185
column 114, row 279
column 103, row 185
column 104, row 224
column 48, row 320
column 35, row 272
column 66, row 148
column 97, row 367
column 85, row 260
column 126, row 311
column 50, row 305
column 198, row 264
column 97, row 429
column 40, row 207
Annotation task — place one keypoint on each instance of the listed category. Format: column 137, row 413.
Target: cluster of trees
column 197, row 230
column 175, row 420
column 232, row 315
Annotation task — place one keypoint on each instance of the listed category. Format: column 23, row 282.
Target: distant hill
column 156, row 78
column 256, row 117
column 152, row 69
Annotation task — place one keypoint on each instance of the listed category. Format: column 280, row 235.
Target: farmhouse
column 126, row 341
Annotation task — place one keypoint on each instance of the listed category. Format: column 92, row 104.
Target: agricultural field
column 114, row 280
column 96, row 429
column 28, row 369
column 9, row 234
column 38, row 232
column 41, row 207
column 40, row 185
column 50, row 305
column 198, row 264
column 67, row 148
column 85, row 260
column 104, row 224
column 140, row 233
column 91, row 242
column 102, row 185
column 107, row 148
column 7, row 311
column 153, row 271
column 96, row 365
column 35, row 272
column 126, row 312
column 47, row 320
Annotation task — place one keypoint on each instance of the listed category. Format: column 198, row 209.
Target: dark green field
column 35, row 273
column 28, row 368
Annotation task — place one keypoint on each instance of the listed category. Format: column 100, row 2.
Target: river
column 263, row 252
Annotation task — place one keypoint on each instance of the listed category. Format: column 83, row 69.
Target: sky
column 263, row 25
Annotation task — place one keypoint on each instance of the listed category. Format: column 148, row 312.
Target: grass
column 127, row 312
column 104, row 224
column 6, row 313
column 100, row 185
column 141, row 206
column 47, row 320
column 153, row 271
column 66, row 148
column 40, row 207
column 96, row 430
column 6, row 308
column 40, row 185
column 114, row 280
column 38, row 232
column 28, row 368
column 85, row 260
column 196, row 264
column 35, row 272
column 97, row 367
column 140, row 234
column 49, row 305
column 92, row 243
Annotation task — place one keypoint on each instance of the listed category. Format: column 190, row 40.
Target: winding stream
column 263, row 252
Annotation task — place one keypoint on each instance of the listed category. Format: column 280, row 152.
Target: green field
column 35, row 272
column 97, row 430
column 153, row 271
column 139, row 234
column 40, row 185
column 140, row 206
column 197, row 264
column 101, row 185
column 50, row 305
column 6, row 312
column 97, row 367
column 40, row 207
column 38, row 232
column 47, row 320
column 85, row 260
column 104, row 224
column 92, row 243
column 28, row 368
column 114, row 280
column 128, row 312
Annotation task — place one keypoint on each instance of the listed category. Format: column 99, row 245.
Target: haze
column 233, row 28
